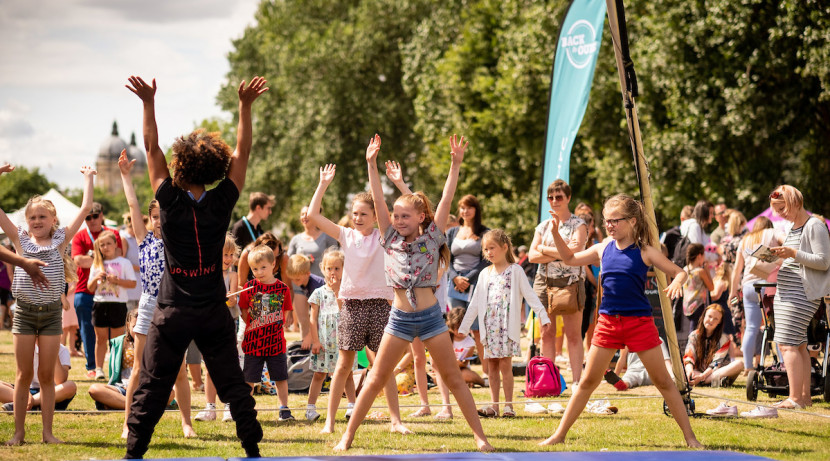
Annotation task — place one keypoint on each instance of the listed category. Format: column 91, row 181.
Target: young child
column 298, row 271
column 121, row 366
column 497, row 302
column 39, row 316
column 464, row 347
column 414, row 241
column 229, row 252
column 109, row 278
column 192, row 296
column 150, row 268
column 264, row 306
column 697, row 286
column 625, row 313
column 707, row 352
column 325, row 314
column 365, row 309
column 65, row 389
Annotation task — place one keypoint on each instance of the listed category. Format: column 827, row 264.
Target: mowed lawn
column 640, row 425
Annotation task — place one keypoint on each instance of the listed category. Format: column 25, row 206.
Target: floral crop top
column 412, row 265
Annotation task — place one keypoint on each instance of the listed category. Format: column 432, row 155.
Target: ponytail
column 631, row 208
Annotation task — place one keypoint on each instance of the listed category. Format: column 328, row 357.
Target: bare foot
column 345, row 443
column 125, row 432
column 444, row 415
column 328, row 428
column 552, row 440
column 17, row 439
column 399, row 428
column 484, row 446
column 49, row 438
column 188, row 431
column 693, row 443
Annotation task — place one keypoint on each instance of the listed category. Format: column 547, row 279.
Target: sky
column 64, row 64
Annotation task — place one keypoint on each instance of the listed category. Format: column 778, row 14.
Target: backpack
column 671, row 238
column 299, row 367
column 679, row 255
column 543, row 378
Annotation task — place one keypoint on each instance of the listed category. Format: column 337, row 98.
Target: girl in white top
column 365, row 296
column 497, row 303
column 38, row 317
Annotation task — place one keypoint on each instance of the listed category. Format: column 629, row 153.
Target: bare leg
column 316, row 386
column 548, row 339
column 573, row 331
column 391, row 392
column 446, row 409
column 506, row 366
column 132, row 384
column 420, row 364
column 210, row 389
column 63, row 391
column 24, row 353
column 495, row 382
column 107, row 395
column 345, row 361
column 183, row 397
column 480, row 351
column 48, row 357
column 350, row 389
column 301, row 316
column 196, row 375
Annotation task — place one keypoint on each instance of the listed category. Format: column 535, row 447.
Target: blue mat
column 544, row 456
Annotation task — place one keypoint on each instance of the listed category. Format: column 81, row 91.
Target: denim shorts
column 410, row 325
column 146, row 308
column 46, row 320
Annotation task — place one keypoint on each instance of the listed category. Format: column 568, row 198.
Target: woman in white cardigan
column 497, row 303
column 803, row 280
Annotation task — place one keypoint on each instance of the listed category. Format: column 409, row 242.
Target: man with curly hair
column 191, row 300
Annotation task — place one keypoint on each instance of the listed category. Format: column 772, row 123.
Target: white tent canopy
column 67, row 211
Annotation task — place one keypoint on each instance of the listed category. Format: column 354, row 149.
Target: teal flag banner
column 575, row 59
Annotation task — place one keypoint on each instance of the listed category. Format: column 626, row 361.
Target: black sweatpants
column 172, row 329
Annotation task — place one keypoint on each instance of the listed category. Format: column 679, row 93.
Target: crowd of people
column 175, row 289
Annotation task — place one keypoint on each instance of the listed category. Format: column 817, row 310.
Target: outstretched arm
column 6, row 224
column 126, row 165
column 326, row 177
column 86, row 204
column 442, row 211
column 395, row 174
column 655, row 257
column 156, row 163
column 582, row 258
column 244, row 136
column 381, row 211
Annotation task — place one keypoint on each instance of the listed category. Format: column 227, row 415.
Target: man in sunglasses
column 82, row 251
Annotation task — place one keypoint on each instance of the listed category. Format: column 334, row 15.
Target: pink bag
column 543, row 378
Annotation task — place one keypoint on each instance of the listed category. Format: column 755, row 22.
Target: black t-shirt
column 242, row 233
column 194, row 235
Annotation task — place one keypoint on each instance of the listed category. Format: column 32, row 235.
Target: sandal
column 787, row 404
column 376, row 416
column 487, row 412
column 443, row 416
column 420, row 413
column 508, row 412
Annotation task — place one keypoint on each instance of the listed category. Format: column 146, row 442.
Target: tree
column 17, row 187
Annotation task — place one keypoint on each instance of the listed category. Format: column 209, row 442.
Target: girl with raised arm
column 39, row 318
column 414, row 241
column 191, row 301
column 624, row 313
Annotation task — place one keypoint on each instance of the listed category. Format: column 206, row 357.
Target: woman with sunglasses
column 554, row 273
column 803, row 280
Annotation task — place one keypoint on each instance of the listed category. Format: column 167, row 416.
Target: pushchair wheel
column 752, row 385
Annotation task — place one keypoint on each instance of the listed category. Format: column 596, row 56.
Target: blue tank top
column 624, row 282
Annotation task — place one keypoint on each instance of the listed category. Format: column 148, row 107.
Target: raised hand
column 373, row 149
column 7, row 168
column 141, row 89
column 89, row 171
column 247, row 95
column 327, row 173
column 124, row 163
column 393, row 171
column 457, row 148
column 555, row 220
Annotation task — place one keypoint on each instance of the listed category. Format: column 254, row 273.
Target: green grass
column 639, row 425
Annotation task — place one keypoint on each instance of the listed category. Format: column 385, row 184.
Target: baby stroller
column 772, row 379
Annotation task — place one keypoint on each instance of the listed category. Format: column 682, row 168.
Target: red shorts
column 616, row 332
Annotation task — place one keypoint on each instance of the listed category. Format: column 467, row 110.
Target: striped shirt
column 22, row 288
column 793, row 311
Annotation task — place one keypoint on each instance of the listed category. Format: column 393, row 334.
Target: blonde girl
column 415, row 243
column 625, row 313
column 325, row 314
column 497, row 303
column 38, row 318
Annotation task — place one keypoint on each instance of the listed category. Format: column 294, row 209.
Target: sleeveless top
column 623, row 282
column 558, row 269
column 22, row 287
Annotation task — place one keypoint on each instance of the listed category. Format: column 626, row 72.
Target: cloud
column 14, row 126
column 164, row 11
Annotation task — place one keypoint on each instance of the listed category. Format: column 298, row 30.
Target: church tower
column 109, row 176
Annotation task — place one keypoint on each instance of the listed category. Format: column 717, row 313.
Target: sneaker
column 760, row 412
column 535, row 408
column 208, row 414
column 99, row 375
column 311, row 415
column 349, row 410
column 556, row 408
column 285, row 414
column 8, row 406
column 723, row 410
column 227, row 417
column 614, row 380
column 90, row 374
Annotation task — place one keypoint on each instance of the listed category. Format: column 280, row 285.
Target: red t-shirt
column 82, row 244
column 263, row 308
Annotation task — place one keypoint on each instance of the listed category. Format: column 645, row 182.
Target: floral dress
column 496, row 318
column 329, row 313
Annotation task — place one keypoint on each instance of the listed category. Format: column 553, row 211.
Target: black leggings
column 171, row 330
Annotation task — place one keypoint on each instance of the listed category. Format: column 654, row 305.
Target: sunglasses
column 614, row 222
column 557, row 198
column 93, row 216
column 776, row 195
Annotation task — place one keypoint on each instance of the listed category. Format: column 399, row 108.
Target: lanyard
column 91, row 238
column 248, row 225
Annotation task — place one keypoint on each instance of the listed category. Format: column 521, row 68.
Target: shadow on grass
column 779, row 430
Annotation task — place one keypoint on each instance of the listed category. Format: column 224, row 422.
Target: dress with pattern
column 327, row 317
column 497, row 319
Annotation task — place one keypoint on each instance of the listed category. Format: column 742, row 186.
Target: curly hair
column 200, row 158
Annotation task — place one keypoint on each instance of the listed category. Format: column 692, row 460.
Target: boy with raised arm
column 191, row 302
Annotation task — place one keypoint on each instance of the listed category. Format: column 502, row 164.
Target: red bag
column 543, row 378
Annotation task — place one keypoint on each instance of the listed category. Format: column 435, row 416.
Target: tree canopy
column 734, row 100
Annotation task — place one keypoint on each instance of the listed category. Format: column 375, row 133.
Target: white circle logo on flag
column 580, row 43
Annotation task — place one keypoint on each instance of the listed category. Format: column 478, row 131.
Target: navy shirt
column 624, row 282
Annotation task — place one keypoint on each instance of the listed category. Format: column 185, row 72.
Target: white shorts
column 146, row 308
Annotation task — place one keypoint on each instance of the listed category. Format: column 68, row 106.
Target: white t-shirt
column 460, row 347
column 63, row 358
column 108, row 292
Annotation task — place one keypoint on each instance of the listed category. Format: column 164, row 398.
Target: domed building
column 109, row 176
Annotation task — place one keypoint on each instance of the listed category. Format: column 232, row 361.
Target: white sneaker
column 208, row 414
column 556, row 408
column 311, row 414
column 723, row 410
column 99, row 375
column 535, row 408
column 760, row 412
column 349, row 410
column 227, row 418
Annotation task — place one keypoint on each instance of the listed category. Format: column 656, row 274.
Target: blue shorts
column 410, row 325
